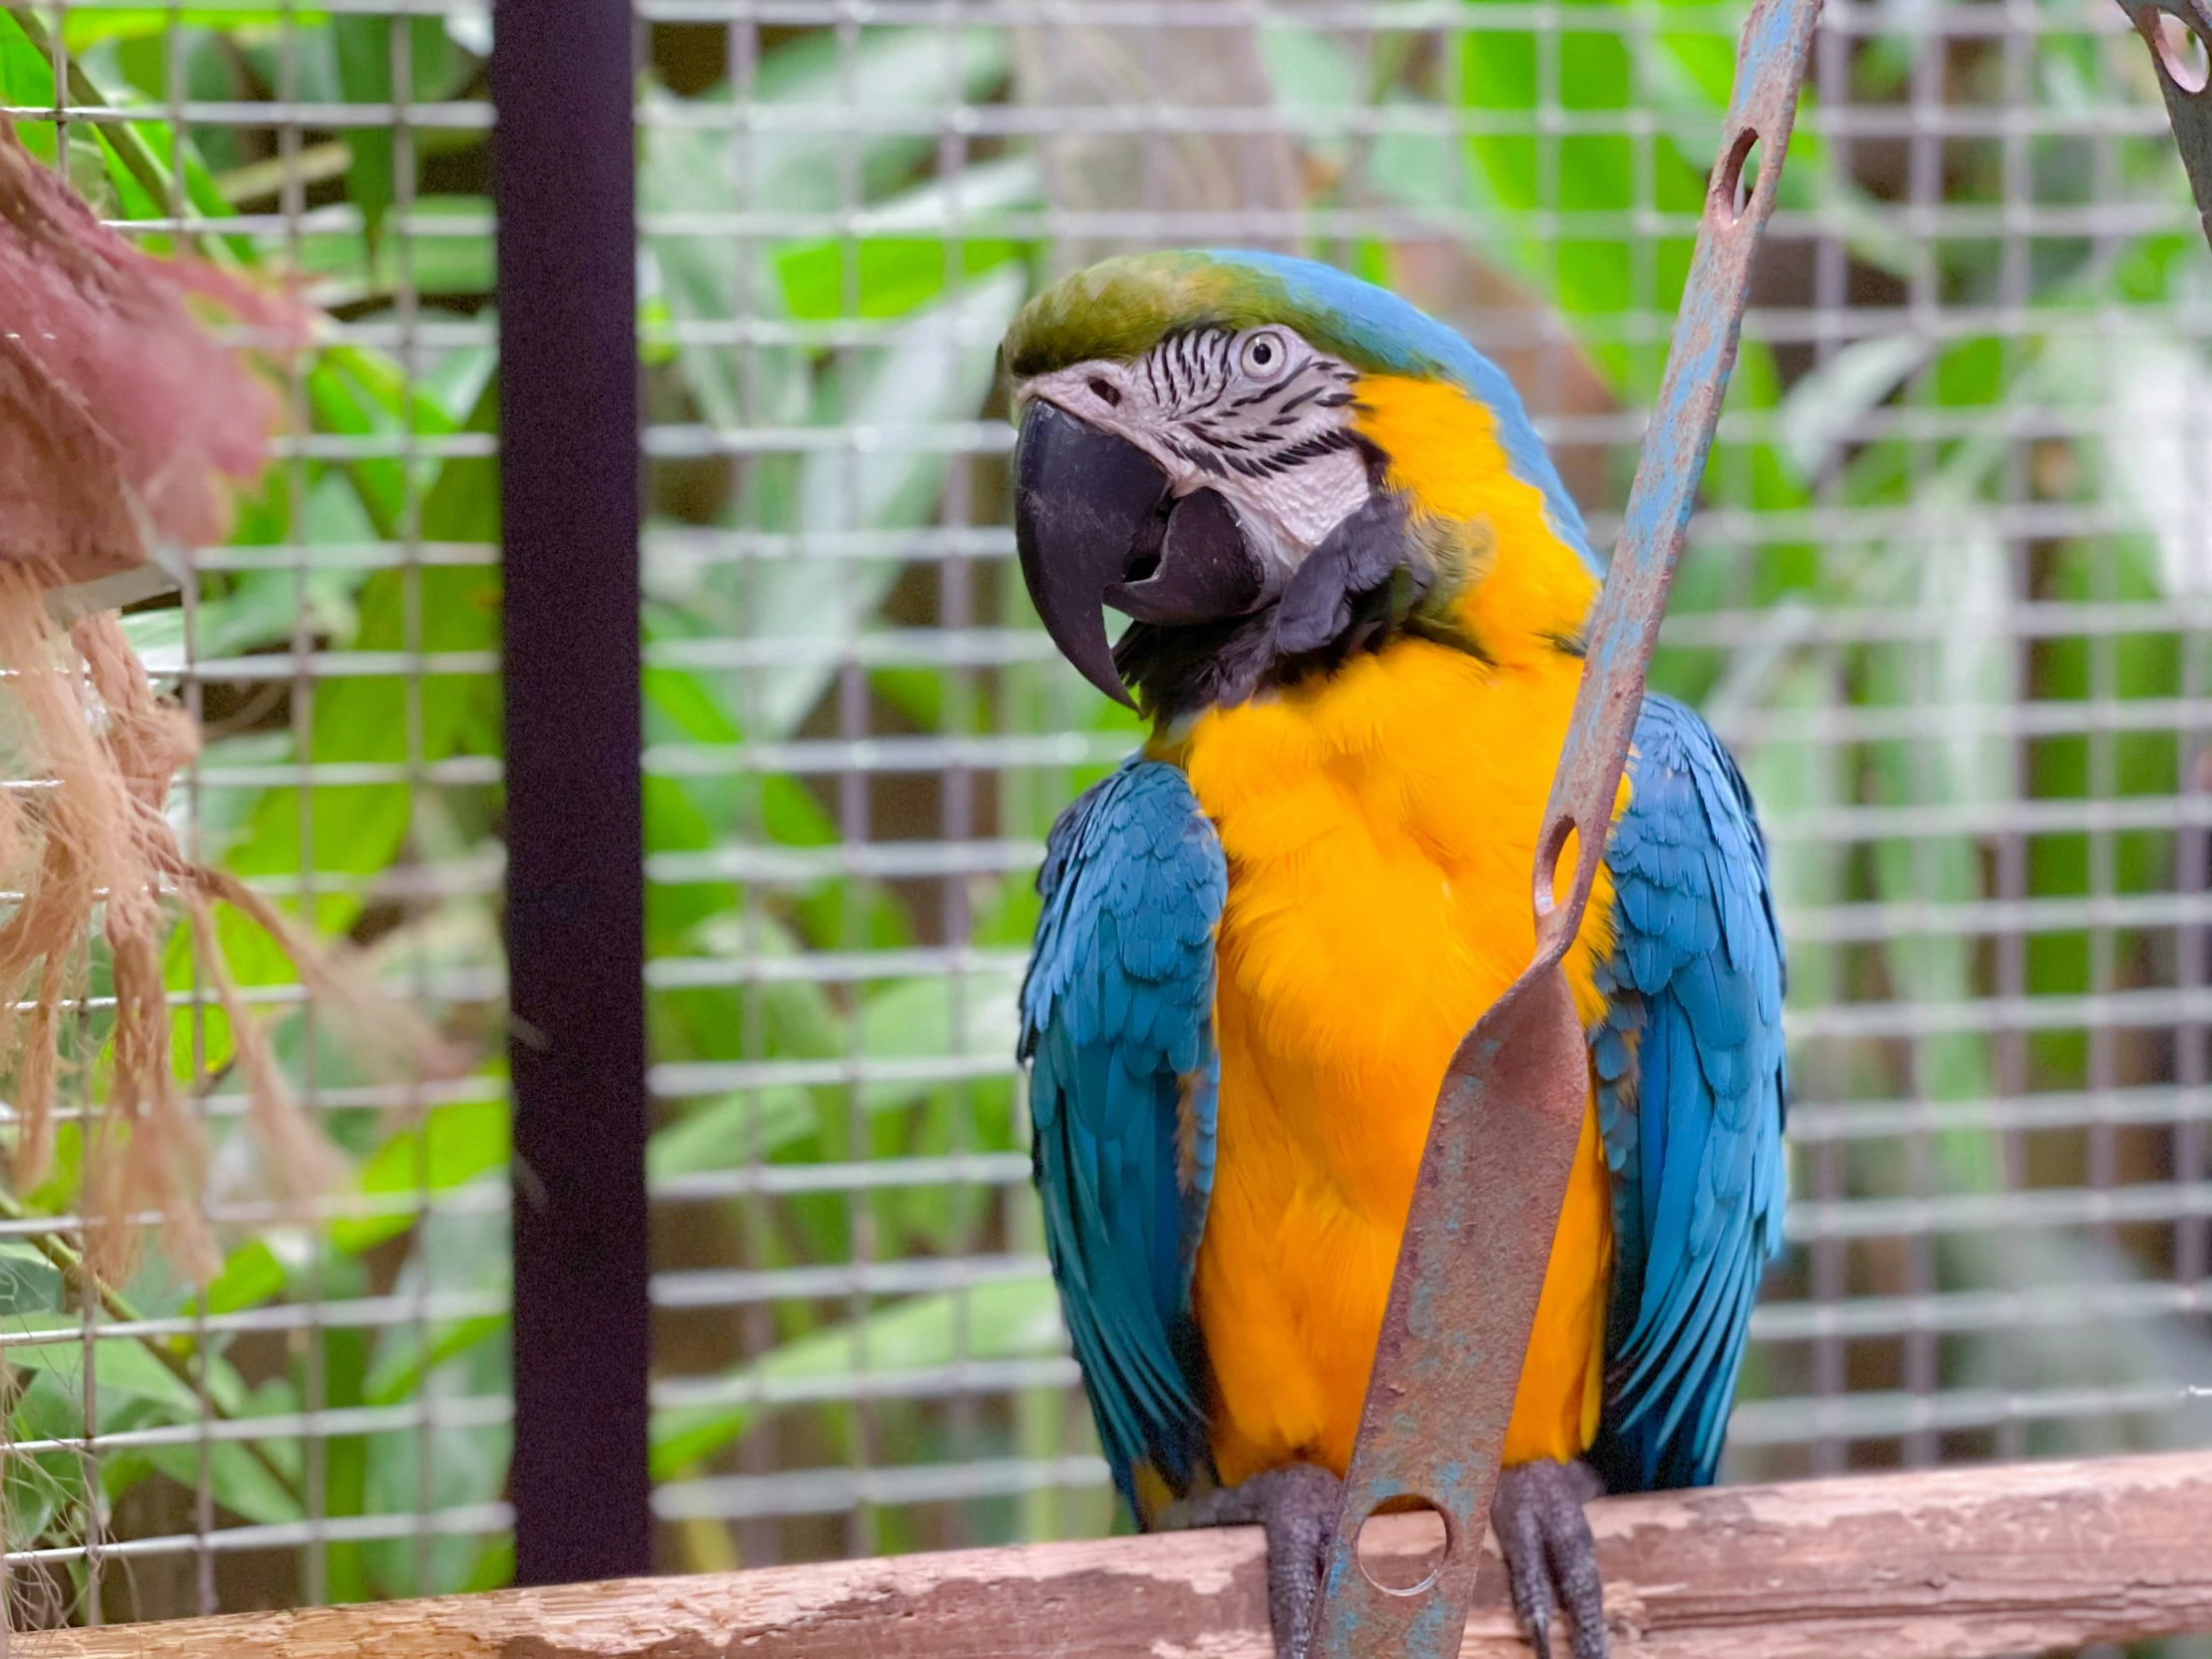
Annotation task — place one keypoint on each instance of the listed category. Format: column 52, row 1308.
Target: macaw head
column 1266, row 463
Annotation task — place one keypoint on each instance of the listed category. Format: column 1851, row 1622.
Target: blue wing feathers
column 1117, row 1025
column 1691, row 1093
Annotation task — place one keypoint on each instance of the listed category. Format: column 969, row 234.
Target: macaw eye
column 1263, row 355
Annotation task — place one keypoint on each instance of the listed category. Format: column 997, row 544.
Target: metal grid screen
column 1950, row 601
column 328, row 1419
column 1947, row 602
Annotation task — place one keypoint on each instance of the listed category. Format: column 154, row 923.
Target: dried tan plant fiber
column 99, row 845
column 123, row 423
column 150, row 740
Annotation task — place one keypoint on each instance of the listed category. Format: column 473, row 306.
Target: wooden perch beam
column 1953, row 1564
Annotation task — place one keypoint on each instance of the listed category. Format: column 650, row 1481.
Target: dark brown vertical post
column 561, row 79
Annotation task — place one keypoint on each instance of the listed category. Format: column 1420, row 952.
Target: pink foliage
column 100, row 336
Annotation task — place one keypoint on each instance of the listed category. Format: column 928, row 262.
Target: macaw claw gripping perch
column 124, row 426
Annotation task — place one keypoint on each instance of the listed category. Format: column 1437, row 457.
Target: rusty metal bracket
column 2183, row 77
column 1487, row 1200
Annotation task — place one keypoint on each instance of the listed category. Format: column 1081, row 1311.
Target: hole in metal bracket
column 1402, row 1546
column 2181, row 52
column 1739, row 176
column 1548, row 866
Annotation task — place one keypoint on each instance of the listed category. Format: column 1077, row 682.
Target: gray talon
column 1298, row 1505
column 1550, row 1557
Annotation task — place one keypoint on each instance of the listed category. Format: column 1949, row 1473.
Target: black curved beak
column 1094, row 526
column 1081, row 497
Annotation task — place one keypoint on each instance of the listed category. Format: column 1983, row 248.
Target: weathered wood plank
column 1953, row 1564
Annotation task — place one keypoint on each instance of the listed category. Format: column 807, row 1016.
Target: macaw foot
column 1298, row 1505
column 1550, row 1557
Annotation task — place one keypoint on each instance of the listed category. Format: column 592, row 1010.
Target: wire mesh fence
column 1940, row 601
column 328, row 1419
column 1950, row 600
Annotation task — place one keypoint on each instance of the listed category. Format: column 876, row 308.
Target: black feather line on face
column 1311, row 449
column 1199, row 456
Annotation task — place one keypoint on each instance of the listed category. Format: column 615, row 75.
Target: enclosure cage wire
column 1945, row 600
column 1952, row 623
column 324, row 1421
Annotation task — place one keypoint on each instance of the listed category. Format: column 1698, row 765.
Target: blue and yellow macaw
column 1358, row 591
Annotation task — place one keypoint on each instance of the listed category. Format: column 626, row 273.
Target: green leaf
column 398, row 1375
column 1820, row 410
column 124, row 1371
column 449, row 248
column 444, row 1465
column 251, row 1276
column 732, row 1130
column 690, row 169
column 360, row 829
column 494, row 1569
column 345, row 1356
column 882, row 70
column 443, row 249
column 797, row 1016
column 239, row 1481
column 367, row 46
column 151, row 149
column 35, row 1489
column 355, row 392
column 455, row 1144
column 934, row 1018
column 1005, row 1320
column 459, row 1468
column 928, row 371
column 893, row 275
column 85, row 28
column 27, row 81
column 1311, row 71
column 30, row 1285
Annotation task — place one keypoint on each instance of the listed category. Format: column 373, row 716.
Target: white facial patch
column 1258, row 416
column 1316, row 497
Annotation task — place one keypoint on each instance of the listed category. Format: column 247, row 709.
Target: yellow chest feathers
column 1380, row 833
column 1379, row 826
